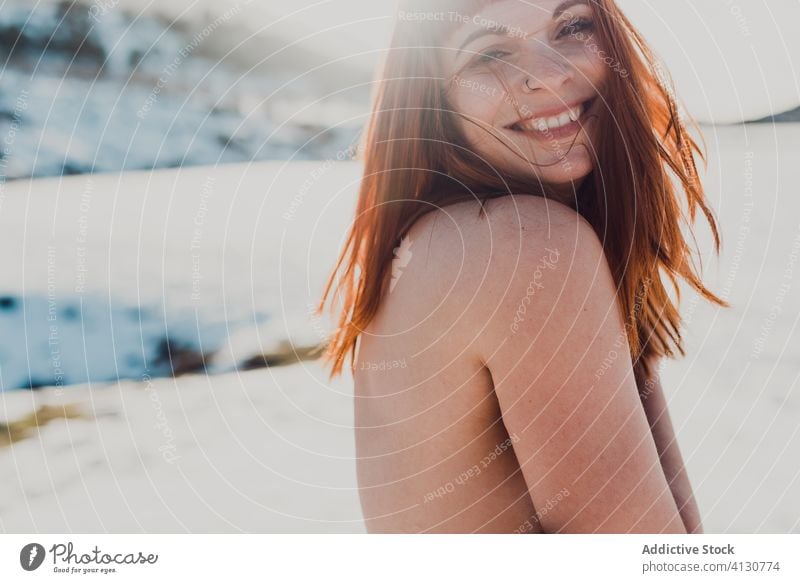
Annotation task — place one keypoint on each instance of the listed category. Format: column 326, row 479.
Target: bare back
column 470, row 416
column 433, row 453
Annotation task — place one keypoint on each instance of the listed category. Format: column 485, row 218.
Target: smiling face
column 525, row 79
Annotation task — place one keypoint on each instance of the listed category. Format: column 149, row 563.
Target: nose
column 544, row 70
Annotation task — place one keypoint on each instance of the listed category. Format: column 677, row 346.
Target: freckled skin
column 559, row 71
column 426, row 434
column 581, row 456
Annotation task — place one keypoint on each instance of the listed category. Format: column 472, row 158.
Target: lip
column 563, row 132
column 587, row 103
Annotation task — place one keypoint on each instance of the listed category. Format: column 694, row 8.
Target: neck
column 566, row 194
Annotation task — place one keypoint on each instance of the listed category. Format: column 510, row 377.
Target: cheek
column 478, row 103
column 598, row 65
column 592, row 63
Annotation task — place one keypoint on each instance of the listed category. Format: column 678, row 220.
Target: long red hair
column 416, row 160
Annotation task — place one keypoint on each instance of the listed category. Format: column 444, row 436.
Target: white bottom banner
column 380, row 558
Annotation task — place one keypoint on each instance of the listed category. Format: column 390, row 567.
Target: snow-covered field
column 260, row 451
column 118, row 276
column 225, row 261
column 271, row 450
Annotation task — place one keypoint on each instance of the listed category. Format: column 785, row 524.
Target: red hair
column 416, row 160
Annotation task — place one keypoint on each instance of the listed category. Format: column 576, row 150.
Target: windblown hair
column 416, row 160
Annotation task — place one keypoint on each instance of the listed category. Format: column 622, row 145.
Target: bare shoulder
column 510, row 229
column 529, row 225
column 554, row 340
column 499, row 250
column 532, row 289
column 532, row 211
column 520, row 210
column 483, row 262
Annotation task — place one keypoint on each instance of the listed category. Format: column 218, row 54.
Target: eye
column 575, row 25
column 491, row 56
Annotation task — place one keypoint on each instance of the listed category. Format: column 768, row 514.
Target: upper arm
column 556, row 347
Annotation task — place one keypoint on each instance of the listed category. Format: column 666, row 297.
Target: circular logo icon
column 31, row 556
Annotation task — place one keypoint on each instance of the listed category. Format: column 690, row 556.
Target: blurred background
column 175, row 182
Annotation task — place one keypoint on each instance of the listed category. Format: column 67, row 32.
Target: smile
column 555, row 124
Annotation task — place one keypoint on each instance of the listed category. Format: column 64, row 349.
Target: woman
column 525, row 186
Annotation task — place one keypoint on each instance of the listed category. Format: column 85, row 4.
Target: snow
column 111, row 280
column 225, row 262
column 271, row 450
column 260, row 451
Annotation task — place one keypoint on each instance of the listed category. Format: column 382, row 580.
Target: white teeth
column 563, row 119
column 575, row 114
column 552, row 123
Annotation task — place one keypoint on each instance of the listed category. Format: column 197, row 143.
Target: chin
column 578, row 175
column 571, row 170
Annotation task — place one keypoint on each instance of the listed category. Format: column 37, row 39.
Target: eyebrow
column 505, row 30
column 494, row 31
column 562, row 8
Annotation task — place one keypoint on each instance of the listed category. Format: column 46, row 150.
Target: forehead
column 520, row 16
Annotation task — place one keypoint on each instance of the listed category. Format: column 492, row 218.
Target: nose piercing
column 528, row 88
